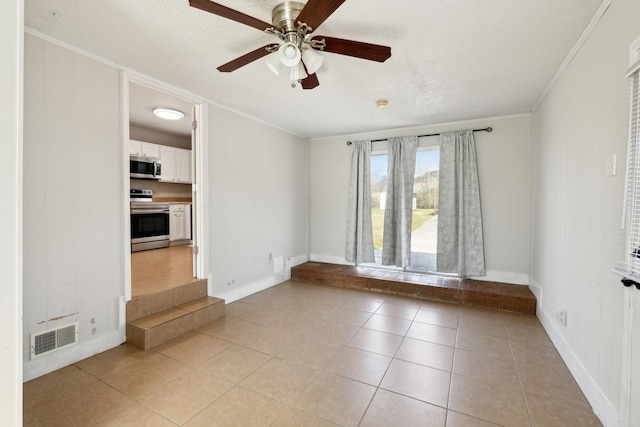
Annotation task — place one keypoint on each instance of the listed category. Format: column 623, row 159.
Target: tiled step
column 500, row 296
column 156, row 318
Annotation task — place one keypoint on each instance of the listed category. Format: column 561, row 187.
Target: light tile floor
column 300, row 354
column 161, row 269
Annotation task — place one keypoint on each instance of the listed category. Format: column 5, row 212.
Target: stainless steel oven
column 149, row 221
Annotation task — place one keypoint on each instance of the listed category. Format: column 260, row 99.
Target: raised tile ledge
column 494, row 295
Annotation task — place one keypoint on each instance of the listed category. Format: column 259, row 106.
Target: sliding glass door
column 424, row 236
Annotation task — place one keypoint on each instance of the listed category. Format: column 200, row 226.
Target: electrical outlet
column 561, row 317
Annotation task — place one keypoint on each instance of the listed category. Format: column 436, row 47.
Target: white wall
column 11, row 31
column 504, row 173
column 160, row 137
column 73, row 222
column 576, row 208
column 257, row 203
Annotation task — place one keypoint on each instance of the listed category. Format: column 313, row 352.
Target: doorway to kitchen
column 161, row 134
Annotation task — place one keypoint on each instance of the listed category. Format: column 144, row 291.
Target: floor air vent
column 53, row 339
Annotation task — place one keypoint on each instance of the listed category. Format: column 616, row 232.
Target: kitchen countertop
column 185, row 200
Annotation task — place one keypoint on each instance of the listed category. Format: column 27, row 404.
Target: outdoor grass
column 377, row 218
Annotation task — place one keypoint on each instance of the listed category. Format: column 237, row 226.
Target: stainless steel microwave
column 145, row 167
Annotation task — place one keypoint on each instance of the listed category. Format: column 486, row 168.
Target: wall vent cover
column 45, row 342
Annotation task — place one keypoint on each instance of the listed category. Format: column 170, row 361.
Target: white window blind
column 632, row 196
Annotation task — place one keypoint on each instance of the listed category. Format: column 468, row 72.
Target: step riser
column 150, row 304
column 152, row 337
column 155, row 319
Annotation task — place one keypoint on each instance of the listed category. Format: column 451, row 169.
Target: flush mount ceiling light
column 168, row 113
column 382, row 103
column 294, row 55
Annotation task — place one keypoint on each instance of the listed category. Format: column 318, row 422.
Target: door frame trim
column 199, row 167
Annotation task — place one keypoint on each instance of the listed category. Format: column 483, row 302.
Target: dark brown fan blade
column 245, row 59
column 372, row 52
column 315, row 12
column 310, row 82
column 225, row 12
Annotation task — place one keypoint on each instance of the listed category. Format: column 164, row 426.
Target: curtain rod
column 487, row 129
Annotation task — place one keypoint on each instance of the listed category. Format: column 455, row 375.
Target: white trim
column 126, row 186
column 200, row 190
column 201, row 152
column 601, row 405
column 626, row 376
column 262, row 284
column 11, row 190
column 627, row 362
column 631, row 70
column 574, row 51
column 634, row 51
column 68, row 356
column 508, row 277
column 329, row 259
column 492, row 275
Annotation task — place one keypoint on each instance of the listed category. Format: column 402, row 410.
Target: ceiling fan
column 295, row 55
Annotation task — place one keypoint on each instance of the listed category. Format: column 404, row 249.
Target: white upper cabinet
column 168, row 159
column 135, row 148
column 183, row 165
column 150, row 150
column 144, row 149
column 176, row 165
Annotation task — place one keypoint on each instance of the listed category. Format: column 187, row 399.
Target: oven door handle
column 148, row 211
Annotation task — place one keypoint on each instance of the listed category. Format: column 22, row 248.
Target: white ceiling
column 143, row 100
column 451, row 60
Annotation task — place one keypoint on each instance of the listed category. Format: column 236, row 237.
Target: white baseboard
column 601, row 406
column 504, row 277
column 67, row 356
column 491, row 276
column 330, row 259
column 262, row 284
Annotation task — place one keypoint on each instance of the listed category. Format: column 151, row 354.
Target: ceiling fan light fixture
column 312, row 60
column 289, row 54
column 168, row 113
column 273, row 62
column 297, row 73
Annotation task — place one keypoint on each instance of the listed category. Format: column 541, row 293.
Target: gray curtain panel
column 359, row 228
column 460, row 240
column 396, row 247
